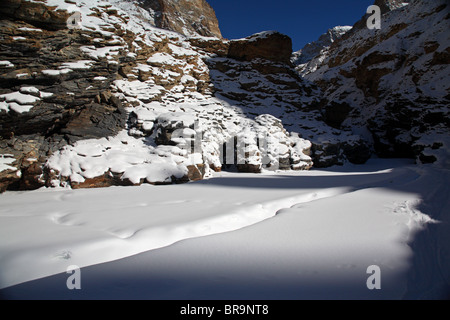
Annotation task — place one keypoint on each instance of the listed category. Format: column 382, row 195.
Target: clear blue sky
column 303, row 21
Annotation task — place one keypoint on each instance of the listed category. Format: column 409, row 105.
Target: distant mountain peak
column 389, row 5
column 313, row 49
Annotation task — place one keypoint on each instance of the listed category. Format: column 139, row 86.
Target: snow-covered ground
column 286, row 235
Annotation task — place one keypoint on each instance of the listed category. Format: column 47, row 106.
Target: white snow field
column 276, row 235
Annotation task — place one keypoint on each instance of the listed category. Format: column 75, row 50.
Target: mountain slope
column 393, row 82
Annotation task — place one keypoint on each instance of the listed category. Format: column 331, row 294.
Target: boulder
column 249, row 168
column 106, row 180
column 32, row 176
column 8, row 178
column 195, row 172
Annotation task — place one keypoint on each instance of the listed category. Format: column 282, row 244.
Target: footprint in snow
column 63, row 255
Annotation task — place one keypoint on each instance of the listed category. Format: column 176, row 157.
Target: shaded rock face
column 255, row 84
column 188, row 17
column 269, row 45
column 391, row 82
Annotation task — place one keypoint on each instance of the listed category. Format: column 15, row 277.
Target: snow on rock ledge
column 119, row 160
column 262, row 144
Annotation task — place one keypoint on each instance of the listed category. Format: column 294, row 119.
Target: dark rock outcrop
column 269, row 45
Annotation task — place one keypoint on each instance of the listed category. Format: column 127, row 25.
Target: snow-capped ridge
column 312, row 54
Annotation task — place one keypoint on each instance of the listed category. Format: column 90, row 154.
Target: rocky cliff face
column 188, row 17
column 392, row 83
column 54, row 89
column 117, row 101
